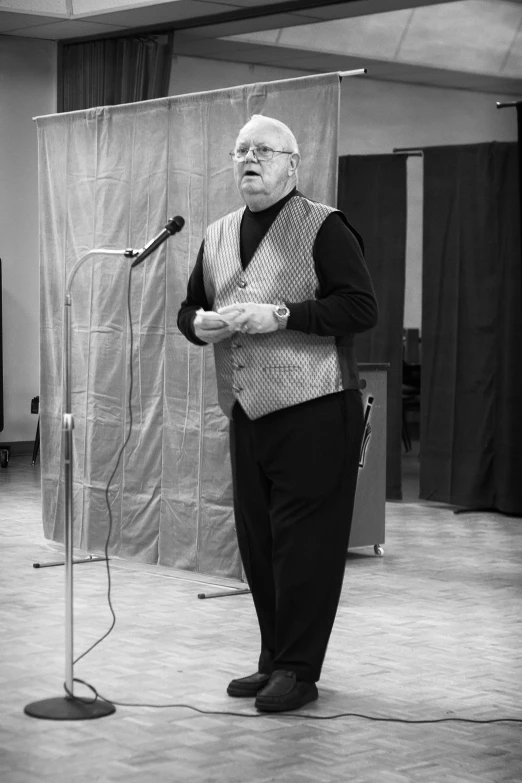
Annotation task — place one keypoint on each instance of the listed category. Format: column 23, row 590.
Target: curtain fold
column 111, row 177
column 114, row 70
column 372, row 194
column 471, row 425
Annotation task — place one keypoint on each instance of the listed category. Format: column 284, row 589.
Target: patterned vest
column 267, row 372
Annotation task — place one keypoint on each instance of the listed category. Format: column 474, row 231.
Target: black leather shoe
column 248, row 686
column 285, row 692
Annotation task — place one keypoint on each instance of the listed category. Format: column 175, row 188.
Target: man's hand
column 253, row 318
column 211, row 327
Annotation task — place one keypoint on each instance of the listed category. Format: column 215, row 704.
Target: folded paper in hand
column 212, row 320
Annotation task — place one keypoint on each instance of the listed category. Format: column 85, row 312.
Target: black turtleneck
column 254, row 226
column 346, row 301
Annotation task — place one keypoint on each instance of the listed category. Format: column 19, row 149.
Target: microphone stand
column 68, row 707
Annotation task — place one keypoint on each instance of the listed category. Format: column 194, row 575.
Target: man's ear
column 294, row 161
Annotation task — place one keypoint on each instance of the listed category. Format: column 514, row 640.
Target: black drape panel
column 372, row 194
column 471, row 412
column 113, row 70
column 519, row 127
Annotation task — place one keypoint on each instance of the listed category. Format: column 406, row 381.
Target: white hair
column 290, row 139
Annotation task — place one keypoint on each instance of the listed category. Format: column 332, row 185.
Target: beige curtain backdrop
column 111, row 177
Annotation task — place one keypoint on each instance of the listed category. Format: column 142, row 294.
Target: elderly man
column 280, row 288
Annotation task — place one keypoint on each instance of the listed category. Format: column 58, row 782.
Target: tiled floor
column 431, row 630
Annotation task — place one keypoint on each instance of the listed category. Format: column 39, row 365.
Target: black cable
column 304, row 715
column 107, row 500
column 80, row 698
column 98, row 695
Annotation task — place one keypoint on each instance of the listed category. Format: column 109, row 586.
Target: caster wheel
column 4, row 458
column 378, row 550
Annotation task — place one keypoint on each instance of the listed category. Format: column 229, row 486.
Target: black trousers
column 294, row 479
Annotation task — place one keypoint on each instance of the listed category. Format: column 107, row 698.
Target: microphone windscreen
column 175, row 224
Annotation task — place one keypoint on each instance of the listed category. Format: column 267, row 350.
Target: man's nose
column 252, row 153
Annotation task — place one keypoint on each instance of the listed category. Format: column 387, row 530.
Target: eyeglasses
column 261, row 152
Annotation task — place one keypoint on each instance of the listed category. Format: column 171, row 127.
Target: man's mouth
column 251, row 173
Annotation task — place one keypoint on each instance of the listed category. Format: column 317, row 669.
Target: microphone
column 174, row 225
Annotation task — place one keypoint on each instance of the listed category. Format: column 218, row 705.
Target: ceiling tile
column 83, row 8
column 240, row 27
column 209, row 48
column 262, row 37
column 364, row 8
column 381, row 33
column 512, row 65
column 472, row 35
column 162, row 14
column 9, row 21
column 381, row 70
column 467, row 35
column 360, row 35
column 38, row 7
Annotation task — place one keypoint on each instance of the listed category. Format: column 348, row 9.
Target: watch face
column 283, row 311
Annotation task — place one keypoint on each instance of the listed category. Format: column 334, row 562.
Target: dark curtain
column 113, row 70
column 519, row 127
column 471, row 411
column 372, row 194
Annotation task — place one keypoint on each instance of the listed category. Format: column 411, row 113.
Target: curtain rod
column 356, row 72
column 408, row 151
column 502, row 105
column 340, row 74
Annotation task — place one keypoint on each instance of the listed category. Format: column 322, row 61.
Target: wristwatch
column 281, row 313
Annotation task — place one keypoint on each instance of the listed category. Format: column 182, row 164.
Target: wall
column 377, row 116
column 195, row 74
column 27, row 89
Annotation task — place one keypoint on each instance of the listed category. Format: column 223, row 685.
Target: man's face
column 262, row 183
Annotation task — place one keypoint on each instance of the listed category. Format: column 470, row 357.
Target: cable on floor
column 98, row 695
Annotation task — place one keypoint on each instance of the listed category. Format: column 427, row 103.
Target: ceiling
column 468, row 44
column 64, row 19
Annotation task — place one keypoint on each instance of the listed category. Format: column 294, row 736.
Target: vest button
column 237, row 366
column 237, row 389
column 236, row 345
column 242, row 283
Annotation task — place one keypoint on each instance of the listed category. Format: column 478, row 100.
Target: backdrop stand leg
column 89, row 559
column 232, row 591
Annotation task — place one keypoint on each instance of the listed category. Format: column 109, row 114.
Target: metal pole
column 408, row 151
column 67, row 428
column 69, row 708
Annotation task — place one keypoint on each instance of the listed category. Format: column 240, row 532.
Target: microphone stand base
column 65, row 708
